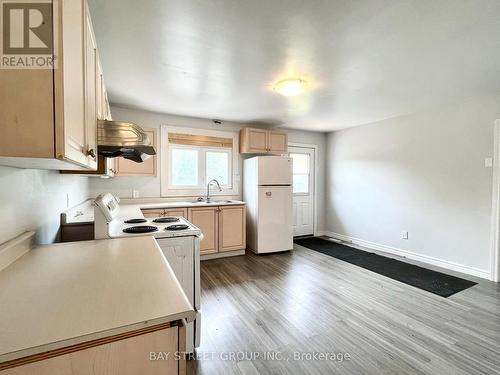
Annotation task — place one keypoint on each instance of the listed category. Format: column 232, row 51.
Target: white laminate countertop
column 65, row 294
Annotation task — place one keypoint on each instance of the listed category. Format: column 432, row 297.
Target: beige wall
column 34, row 199
column 150, row 186
column 424, row 174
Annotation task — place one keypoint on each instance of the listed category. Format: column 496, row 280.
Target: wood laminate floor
column 302, row 303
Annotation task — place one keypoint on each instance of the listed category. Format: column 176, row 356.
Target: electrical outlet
column 135, row 193
column 488, row 162
column 404, row 235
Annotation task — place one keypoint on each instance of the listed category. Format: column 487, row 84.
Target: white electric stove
column 178, row 239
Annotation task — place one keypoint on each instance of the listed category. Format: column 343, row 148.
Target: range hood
column 126, row 139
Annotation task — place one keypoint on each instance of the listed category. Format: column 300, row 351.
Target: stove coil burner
column 166, row 219
column 135, row 221
column 177, row 227
column 141, row 229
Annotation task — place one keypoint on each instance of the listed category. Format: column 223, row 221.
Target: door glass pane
column 184, row 167
column 218, row 166
column 300, row 163
column 301, row 183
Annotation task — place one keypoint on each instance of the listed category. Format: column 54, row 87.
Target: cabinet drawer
column 182, row 212
column 123, row 356
column 152, row 212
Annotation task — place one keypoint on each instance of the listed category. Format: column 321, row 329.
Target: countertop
column 131, row 208
column 65, row 294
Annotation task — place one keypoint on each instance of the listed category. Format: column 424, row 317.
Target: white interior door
column 303, row 190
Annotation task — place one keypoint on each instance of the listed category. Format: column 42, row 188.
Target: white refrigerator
column 267, row 191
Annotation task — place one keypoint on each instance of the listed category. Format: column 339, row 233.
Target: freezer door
column 275, row 222
column 274, row 170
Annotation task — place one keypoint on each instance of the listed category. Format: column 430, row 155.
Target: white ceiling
column 365, row 60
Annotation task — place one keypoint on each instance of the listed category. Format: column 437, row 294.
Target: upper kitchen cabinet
column 49, row 114
column 262, row 141
column 125, row 167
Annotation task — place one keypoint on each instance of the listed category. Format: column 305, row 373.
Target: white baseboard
column 410, row 255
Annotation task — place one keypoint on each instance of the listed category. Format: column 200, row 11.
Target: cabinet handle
column 91, row 153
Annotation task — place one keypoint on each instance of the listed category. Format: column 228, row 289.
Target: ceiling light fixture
column 290, row 87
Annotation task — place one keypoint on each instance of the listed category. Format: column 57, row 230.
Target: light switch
column 488, row 162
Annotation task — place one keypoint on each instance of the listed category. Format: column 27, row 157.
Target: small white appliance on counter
column 267, row 191
column 178, row 239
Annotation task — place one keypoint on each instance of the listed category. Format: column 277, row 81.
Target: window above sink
column 192, row 157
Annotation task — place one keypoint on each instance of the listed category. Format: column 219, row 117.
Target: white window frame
column 309, row 179
column 232, row 188
column 202, row 166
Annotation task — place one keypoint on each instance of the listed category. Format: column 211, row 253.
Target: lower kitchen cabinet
column 223, row 227
column 232, row 224
column 129, row 355
column 77, row 232
column 206, row 218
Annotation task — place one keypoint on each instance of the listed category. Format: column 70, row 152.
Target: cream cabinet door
column 100, row 91
column 253, row 141
column 207, row 220
column 73, row 141
column 232, row 233
column 147, row 168
column 90, row 93
column 277, row 142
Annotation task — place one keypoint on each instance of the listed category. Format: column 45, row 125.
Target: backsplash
column 33, row 200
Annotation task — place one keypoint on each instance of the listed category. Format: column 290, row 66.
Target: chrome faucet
column 208, row 188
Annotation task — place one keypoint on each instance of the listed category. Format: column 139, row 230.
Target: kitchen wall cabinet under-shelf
column 263, row 141
column 105, row 168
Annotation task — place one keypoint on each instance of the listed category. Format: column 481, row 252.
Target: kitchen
column 175, row 202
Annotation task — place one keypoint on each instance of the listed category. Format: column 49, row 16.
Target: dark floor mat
column 423, row 278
